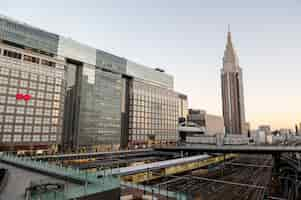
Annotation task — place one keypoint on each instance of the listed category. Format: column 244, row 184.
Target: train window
column 12, row 54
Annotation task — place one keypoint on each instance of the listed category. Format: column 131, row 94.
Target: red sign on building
column 25, row 97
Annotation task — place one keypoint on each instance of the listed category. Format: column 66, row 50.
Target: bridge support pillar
column 276, row 158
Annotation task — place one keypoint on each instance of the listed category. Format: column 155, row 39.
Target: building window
column 58, row 81
column 33, row 77
column 8, row 128
column 11, row 100
column 47, row 103
column 26, row 138
column 38, row 120
column 56, row 97
column 1, row 108
column 4, row 71
column 40, row 95
column 29, row 111
column 32, row 93
column 12, row 91
column 24, row 75
column 47, row 112
column 12, row 54
column 49, row 88
column 36, row 129
column 20, row 110
column 2, row 89
column 50, row 80
column 45, row 129
column 53, row 138
column 10, row 109
column 28, row 120
column 39, row 112
column 27, row 129
column 48, row 63
column 3, row 80
column 36, row 138
column 55, row 113
column 31, row 59
column 49, row 96
column 17, row 138
column 53, row 129
column 56, row 104
column 18, row 128
column 23, row 84
column 44, row 138
column 42, row 87
column 43, row 79
column 46, row 121
column 19, row 119
column 33, row 85
column 15, row 73
column 57, row 89
column 55, row 121
column 6, row 138
column 14, row 82
column 9, row 119
column 40, row 103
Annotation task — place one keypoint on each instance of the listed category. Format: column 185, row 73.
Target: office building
column 232, row 92
column 32, row 87
column 183, row 107
column 153, row 110
column 55, row 90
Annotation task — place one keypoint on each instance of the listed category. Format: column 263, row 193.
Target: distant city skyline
column 187, row 40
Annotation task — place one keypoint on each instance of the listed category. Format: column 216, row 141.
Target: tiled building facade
column 32, row 91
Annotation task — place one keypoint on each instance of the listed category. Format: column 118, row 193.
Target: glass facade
column 22, row 34
column 110, row 62
column 31, row 98
column 153, row 113
column 148, row 74
column 100, row 107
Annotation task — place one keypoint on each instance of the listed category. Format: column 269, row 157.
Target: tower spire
column 229, row 39
column 230, row 54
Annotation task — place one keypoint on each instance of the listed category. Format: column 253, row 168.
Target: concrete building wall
column 214, row 124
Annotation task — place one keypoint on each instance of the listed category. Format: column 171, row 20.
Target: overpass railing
column 89, row 182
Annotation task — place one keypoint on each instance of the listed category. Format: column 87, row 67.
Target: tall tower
column 232, row 91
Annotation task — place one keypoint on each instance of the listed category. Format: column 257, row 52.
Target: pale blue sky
column 187, row 39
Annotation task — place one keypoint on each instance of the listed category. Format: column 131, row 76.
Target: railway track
column 247, row 180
